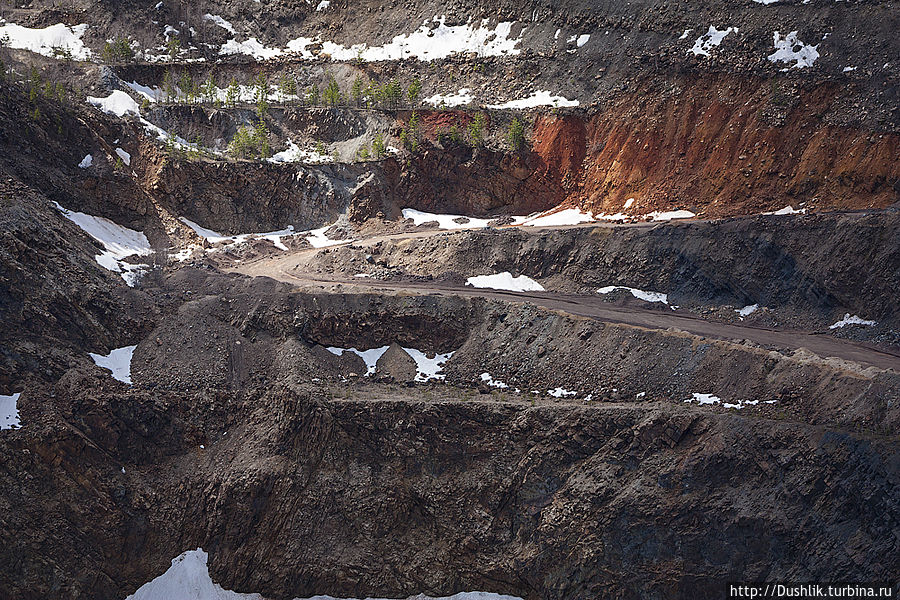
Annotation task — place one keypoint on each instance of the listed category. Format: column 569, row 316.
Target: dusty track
column 290, row 268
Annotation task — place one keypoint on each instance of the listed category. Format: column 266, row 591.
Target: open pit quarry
column 522, row 300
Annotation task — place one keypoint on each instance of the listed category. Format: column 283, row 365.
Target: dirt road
column 290, row 267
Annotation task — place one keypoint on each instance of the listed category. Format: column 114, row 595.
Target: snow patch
column 188, row 579
column 118, row 103
column 560, row 393
column 126, row 158
column 712, row 37
column 463, row 96
column 790, row 48
column 505, row 281
column 494, row 383
column 569, row 216
column 444, row 221
column 49, row 40
column 118, row 361
column 293, row 153
column 787, row 210
column 318, row 239
column 538, row 98
column 370, row 357
column 747, row 310
column 670, row 215
column 215, row 238
column 217, row 20
column 709, row 399
column 9, row 411
column 323, row 5
column 428, row 368
column 250, row 47
column 640, row 294
column 854, row 320
column 433, row 40
column 86, row 162
column 119, row 243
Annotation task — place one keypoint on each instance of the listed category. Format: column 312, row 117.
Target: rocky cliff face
column 294, row 496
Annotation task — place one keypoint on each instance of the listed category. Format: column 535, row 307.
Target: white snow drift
column 315, row 237
column 118, row 361
column 710, row 399
column 444, row 221
column 505, row 281
column 9, row 411
column 639, row 294
column 463, row 96
column 188, row 579
column 538, row 98
column 433, row 40
column 854, row 320
column 569, row 216
column 713, row 37
column 49, row 40
column 427, row 369
column 118, row 103
column 791, row 49
column 119, row 243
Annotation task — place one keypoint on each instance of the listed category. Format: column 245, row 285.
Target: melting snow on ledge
column 640, row 294
column 854, row 320
column 463, row 96
column 118, row 361
column 505, row 281
column 315, row 237
column 426, row 368
column 45, row 41
column 702, row 399
column 747, row 310
column 9, row 412
column 569, row 216
column 217, row 20
column 713, row 37
column 670, row 215
column 119, row 243
column 787, row 210
column 118, row 103
column 538, row 98
column 491, row 382
column 188, row 579
column 789, row 48
column 433, row 40
column 444, row 221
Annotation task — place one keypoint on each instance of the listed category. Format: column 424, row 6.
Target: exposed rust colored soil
column 720, row 147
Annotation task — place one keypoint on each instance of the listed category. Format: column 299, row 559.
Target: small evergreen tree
column 313, row 94
column 261, row 96
column 415, row 88
column 168, row 86
column 516, row 135
column 356, row 91
column 233, row 93
column 210, row 90
column 173, row 49
column 477, row 129
column 287, row 87
column 332, row 93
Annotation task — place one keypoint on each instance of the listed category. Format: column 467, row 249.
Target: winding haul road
column 290, row 267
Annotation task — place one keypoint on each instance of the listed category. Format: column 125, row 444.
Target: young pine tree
column 516, row 135
column 415, row 88
column 332, row 93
